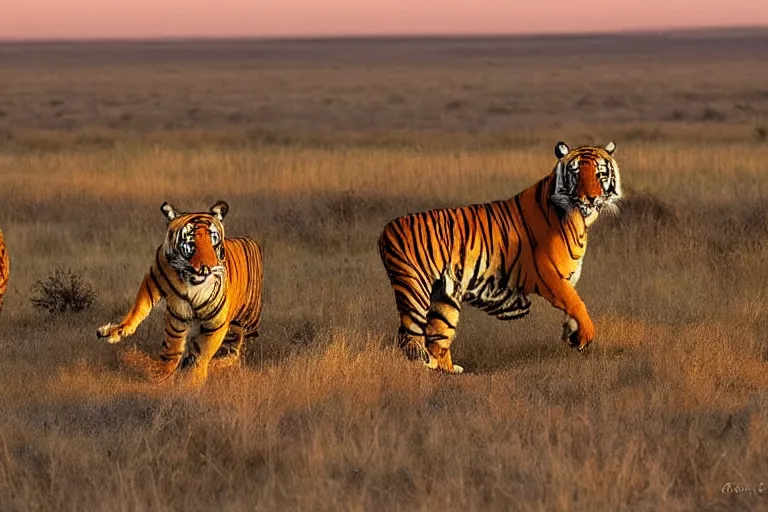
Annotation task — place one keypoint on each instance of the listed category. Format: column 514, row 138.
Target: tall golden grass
column 667, row 407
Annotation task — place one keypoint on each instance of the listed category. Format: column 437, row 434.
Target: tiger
column 5, row 268
column 494, row 255
column 209, row 282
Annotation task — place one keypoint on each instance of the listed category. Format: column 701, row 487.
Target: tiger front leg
column 174, row 342
column 578, row 328
column 146, row 298
column 204, row 348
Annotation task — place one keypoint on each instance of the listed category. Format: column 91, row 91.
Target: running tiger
column 208, row 281
column 494, row 255
column 5, row 268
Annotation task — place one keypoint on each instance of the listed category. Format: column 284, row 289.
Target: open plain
column 316, row 144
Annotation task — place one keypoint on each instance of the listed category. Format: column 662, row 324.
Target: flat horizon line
column 425, row 36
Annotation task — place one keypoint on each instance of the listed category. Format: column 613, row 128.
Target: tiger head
column 194, row 244
column 586, row 178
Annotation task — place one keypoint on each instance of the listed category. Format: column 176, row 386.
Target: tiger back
column 212, row 286
column 245, row 276
column 494, row 255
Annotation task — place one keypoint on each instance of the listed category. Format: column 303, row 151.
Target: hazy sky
column 22, row 19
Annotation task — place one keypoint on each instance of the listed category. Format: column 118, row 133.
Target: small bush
column 761, row 134
column 454, row 105
column 62, row 291
column 306, row 333
column 499, row 110
column 645, row 135
column 710, row 114
column 677, row 115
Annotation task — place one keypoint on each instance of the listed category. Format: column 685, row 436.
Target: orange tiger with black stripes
column 5, row 268
column 209, row 282
column 494, row 255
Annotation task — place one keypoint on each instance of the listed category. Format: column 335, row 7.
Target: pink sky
column 34, row 19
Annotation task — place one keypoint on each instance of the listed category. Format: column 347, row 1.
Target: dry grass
column 667, row 406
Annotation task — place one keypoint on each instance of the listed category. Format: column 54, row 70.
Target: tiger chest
column 199, row 302
column 180, row 309
column 573, row 278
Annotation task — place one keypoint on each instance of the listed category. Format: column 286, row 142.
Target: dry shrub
column 63, row 291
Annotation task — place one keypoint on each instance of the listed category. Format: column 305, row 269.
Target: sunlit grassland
column 325, row 414
column 668, row 405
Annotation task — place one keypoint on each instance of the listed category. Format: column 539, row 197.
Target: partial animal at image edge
column 5, row 268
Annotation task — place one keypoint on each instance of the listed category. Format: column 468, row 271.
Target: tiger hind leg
column 442, row 320
column 420, row 321
column 412, row 302
column 412, row 345
column 173, row 353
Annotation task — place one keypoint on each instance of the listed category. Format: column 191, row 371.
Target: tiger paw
column 586, row 334
column 220, row 362
column 160, row 371
column 193, row 380
column 582, row 341
column 570, row 332
column 444, row 364
column 433, row 365
column 113, row 333
column 578, row 335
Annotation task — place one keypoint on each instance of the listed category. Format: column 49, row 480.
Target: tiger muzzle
column 199, row 276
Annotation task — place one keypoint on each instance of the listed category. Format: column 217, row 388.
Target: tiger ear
column 168, row 211
column 220, row 209
column 561, row 149
column 610, row 147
